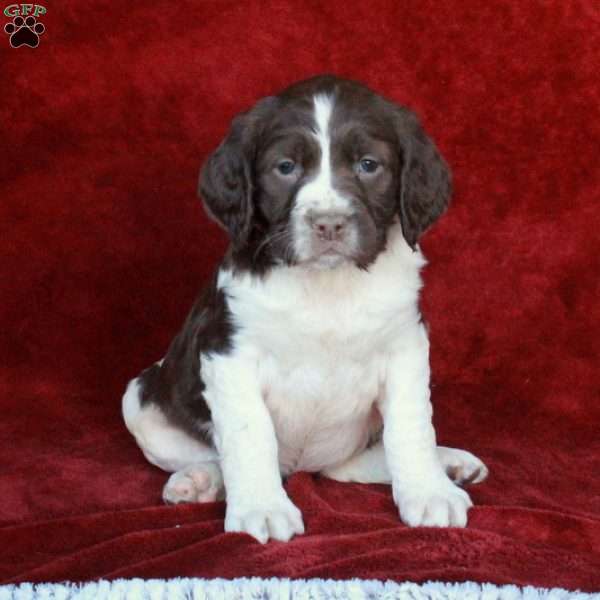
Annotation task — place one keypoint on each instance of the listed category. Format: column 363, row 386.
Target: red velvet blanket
column 104, row 247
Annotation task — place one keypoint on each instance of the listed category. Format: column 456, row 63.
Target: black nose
column 329, row 226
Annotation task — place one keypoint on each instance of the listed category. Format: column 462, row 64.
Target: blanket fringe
column 280, row 589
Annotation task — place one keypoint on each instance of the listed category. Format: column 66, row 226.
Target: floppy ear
column 226, row 178
column 426, row 185
column 225, row 185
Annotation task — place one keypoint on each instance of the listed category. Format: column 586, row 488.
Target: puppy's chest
column 301, row 334
column 320, row 391
column 320, row 361
column 320, row 403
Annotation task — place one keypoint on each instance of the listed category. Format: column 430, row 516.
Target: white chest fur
column 319, row 340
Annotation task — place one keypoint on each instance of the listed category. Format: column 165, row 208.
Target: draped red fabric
column 104, row 246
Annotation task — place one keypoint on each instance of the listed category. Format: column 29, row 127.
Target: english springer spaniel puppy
column 307, row 351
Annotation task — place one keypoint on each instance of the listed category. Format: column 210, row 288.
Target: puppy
column 307, row 351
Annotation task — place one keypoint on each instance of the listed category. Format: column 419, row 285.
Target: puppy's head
column 318, row 174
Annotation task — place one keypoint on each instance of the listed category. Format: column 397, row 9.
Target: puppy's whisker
column 269, row 240
column 288, row 253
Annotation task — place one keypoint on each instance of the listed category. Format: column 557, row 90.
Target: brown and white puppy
column 307, row 351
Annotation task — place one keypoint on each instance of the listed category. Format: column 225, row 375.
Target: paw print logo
column 24, row 32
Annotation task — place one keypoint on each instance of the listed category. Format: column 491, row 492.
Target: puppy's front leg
column 422, row 491
column 245, row 438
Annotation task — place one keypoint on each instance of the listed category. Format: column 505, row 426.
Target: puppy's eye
column 368, row 165
column 286, row 167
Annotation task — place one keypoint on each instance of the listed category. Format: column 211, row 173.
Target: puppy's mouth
column 327, row 249
column 330, row 249
column 327, row 255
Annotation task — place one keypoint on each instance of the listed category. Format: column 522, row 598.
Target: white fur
column 163, row 445
column 318, row 357
column 371, row 466
column 316, row 344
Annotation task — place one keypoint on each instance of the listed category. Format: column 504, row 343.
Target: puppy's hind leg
column 195, row 465
column 370, row 466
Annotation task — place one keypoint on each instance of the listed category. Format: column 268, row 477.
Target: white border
column 279, row 589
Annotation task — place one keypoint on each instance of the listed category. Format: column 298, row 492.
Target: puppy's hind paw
column 201, row 482
column 461, row 466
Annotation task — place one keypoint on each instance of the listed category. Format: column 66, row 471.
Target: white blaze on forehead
column 323, row 109
column 319, row 194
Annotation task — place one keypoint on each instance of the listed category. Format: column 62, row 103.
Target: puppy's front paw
column 276, row 519
column 439, row 505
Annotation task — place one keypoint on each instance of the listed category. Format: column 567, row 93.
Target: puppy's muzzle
column 329, row 226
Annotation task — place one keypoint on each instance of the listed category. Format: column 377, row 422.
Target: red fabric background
column 104, row 247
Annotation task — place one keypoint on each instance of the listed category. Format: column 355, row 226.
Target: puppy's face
column 327, row 185
column 317, row 175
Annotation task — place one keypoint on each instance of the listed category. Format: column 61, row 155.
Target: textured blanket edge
column 280, row 589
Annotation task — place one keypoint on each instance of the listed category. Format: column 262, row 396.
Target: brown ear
column 426, row 185
column 226, row 182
